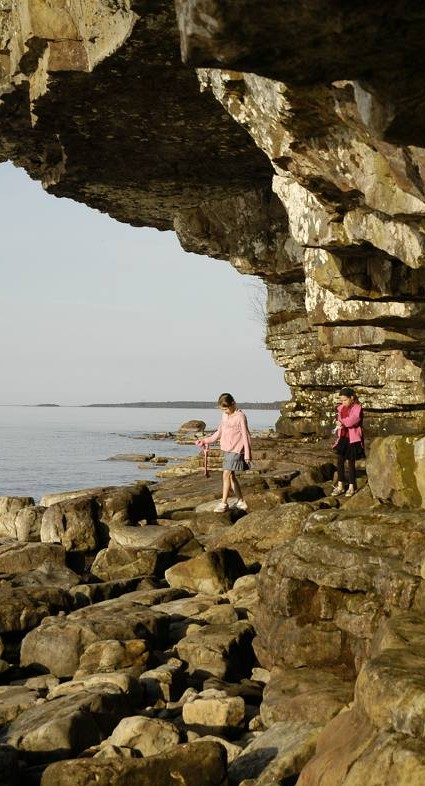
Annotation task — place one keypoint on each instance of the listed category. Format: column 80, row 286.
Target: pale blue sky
column 92, row 310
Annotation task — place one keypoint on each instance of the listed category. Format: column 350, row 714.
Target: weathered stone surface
column 214, row 712
column 9, row 508
column 255, row 534
column 150, row 736
column 396, row 470
column 14, row 699
column 129, row 656
column 164, row 682
column 310, row 695
column 279, row 752
column 71, row 523
column 165, row 538
column 21, row 558
column 193, row 425
column 190, row 765
column 117, row 562
column 219, row 650
column 23, row 608
column 212, row 573
column 28, row 523
column 59, row 643
column 67, row 725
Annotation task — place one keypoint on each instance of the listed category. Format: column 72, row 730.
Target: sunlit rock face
column 290, row 142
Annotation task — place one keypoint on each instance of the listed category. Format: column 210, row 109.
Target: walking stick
column 206, row 473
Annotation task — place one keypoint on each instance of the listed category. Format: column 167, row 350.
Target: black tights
column 351, row 470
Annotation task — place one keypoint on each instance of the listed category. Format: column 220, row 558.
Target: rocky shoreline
column 146, row 639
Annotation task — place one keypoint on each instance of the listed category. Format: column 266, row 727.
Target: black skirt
column 349, row 450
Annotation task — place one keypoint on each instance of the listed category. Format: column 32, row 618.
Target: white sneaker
column 221, row 507
column 241, row 505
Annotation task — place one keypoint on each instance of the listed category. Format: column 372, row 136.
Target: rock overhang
column 284, row 151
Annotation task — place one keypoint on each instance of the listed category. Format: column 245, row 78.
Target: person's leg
column 339, row 488
column 351, row 476
column 236, row 487
column 227, row 474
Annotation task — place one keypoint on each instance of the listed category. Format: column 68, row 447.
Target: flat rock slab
column 310, row 695
column 59, row 643
column 23, row 557
column 276, row 754
column 190, row 765
column 254, row 535
column 164, row 538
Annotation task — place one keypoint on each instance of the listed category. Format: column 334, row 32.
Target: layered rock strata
column 302, row 165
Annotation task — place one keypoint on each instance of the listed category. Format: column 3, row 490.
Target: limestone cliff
column 290, row 142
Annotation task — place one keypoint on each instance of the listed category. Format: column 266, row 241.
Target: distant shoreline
column 271, row 405
column 190, row 405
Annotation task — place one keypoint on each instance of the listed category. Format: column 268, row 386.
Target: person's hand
column 200, row 443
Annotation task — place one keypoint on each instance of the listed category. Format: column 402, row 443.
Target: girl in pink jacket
column 235, row 442
column 349, row 444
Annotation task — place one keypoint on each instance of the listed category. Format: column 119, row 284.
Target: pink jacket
column 233, row 434
column 352, row 424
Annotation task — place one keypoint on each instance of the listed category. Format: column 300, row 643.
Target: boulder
column 117, row 562
column 214, row 713
column 130, row 657
column 193, row 425
column 210, row 573
column 165, row 683
column 105, row 682
column 66, row 725
column 59, row 643
column 184, row 612
column 22, row 609
column 28, row 523
column 255, row 534
column 244, row 597
column 9, row 508
column 139, row 551
column 190, row 765
column 232, row 749
column 150, row 736
column 276, row 754
column 220, row 650
column 71, row 523
column 24, row 557
column 14, row 699
column 395, row 467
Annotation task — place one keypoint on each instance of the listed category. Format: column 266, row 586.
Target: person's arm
column 354, row 417
column 246, row 436
column 209, row 440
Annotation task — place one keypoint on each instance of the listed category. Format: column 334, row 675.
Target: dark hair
column 349, row 392
column 226, row 400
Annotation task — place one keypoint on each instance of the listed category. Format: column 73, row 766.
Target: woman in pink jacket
column 350, row 443
column 235, row 442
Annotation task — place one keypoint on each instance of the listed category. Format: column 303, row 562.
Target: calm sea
column 53, row 449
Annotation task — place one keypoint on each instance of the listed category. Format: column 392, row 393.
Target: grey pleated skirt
column 234, row 461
